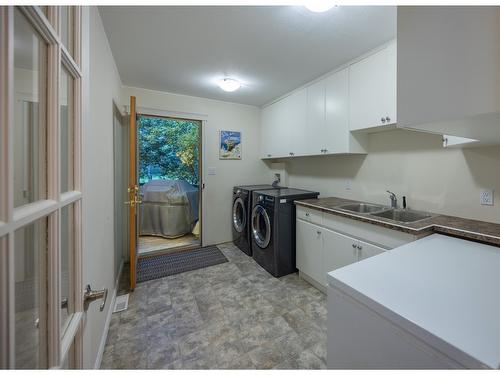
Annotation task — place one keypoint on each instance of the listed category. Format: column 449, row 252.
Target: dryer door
column 239, row 215
column 261, row 226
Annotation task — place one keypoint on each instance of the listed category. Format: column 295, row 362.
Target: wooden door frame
column 132, row 184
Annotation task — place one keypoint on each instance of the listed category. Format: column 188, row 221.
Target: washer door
column 239, row 215
column 261, row 227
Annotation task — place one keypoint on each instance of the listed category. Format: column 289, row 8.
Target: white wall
column 446, row 181
column 219, row 115
column 98, row 224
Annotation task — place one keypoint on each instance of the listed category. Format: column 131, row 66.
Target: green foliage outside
column 168, row 149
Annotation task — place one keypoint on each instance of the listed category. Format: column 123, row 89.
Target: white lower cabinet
column 338, row 251
column 310, row 243
column 322, row 248
column 367, row 250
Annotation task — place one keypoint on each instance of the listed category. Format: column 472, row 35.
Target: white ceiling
column 272, row 50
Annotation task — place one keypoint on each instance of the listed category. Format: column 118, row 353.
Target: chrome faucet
column 394, row 200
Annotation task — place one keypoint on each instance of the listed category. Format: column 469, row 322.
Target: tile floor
column 230, row 316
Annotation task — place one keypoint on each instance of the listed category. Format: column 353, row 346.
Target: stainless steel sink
column 362, row 208
column 403, row 216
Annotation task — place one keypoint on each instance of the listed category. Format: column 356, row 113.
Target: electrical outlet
column 348, row 184
column 486, row 197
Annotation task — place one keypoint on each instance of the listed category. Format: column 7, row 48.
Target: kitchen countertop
column 475, row 230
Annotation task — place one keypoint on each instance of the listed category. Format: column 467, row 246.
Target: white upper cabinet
column 294, row 113
column 449, row 71
column 283, row 131
column 372, row 90
column 315, row 117
column 336, row 136
column 269, row 131
column 328, row 116
column 318, row 119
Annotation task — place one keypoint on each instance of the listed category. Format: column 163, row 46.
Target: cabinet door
column 367, row 250
column 267, row 123
column 338, row 251
column 315, row 118
column 336, row 131
column 275, row 136
column 309, row 258
column 294, row 123
column 371, row 89
column 391, row 81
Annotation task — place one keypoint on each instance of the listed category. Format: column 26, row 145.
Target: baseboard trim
column 104, row 337
column 314, row 283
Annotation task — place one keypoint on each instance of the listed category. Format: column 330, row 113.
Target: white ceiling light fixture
column 229, row 84
column 319, row 6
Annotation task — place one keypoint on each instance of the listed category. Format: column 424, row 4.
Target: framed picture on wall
column 230, row 145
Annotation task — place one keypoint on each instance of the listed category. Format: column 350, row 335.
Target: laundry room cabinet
column 319, row 119
column 373, row 90
column 283, row 131
column 326, row 242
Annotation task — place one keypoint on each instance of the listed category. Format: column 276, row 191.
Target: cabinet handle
column 383, row 120
column 291, row 154
column 307, row 214
column 318, row 232
column 325, row 150
column 388, row 119
column 269, row 155
column 359, row 247
column 353, row 245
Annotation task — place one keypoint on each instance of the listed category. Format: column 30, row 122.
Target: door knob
column 383, row 120
column 388, row 119
column 90, row 296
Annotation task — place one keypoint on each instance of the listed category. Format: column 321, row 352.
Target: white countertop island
column 440, row 295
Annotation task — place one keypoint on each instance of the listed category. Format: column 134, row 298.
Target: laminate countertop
column 474, row 230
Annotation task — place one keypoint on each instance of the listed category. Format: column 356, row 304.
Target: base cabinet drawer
column 310, row 215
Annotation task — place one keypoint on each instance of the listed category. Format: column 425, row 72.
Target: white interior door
column 41, row 291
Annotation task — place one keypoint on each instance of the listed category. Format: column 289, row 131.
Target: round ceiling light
column 229, row 84
column 319, row 6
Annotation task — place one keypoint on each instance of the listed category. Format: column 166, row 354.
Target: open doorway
column 169, row 166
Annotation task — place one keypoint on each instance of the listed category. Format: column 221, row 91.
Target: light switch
column 212, row 171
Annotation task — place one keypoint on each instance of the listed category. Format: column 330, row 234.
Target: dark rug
column 156, row 267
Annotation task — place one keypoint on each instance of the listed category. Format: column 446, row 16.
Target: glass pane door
column 40, row 210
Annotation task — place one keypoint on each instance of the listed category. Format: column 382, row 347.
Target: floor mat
column 155, row 267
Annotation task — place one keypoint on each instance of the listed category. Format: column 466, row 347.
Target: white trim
column 104, row 337
column 167, row 113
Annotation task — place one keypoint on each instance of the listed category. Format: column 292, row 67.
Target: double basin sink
column 395, row 214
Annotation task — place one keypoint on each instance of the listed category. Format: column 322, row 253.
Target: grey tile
column 194, row 345
column 266, row 356
column 233, row 315
column 319, row 349
column 161, row 354
column 231, row 355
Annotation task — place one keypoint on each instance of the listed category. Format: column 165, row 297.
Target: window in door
column 40, row 197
